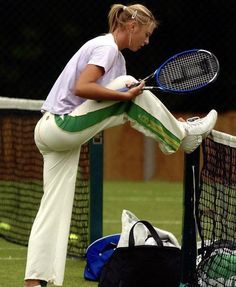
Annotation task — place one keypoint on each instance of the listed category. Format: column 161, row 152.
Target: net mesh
column 216, row 212
column 21, row 186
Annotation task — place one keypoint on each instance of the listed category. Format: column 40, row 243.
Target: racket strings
column 188, row 72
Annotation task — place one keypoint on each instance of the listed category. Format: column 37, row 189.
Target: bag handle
column 151, row 230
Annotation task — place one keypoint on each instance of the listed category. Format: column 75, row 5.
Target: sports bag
column 97, row 255
column 142, row 265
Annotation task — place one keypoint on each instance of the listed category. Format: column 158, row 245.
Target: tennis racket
column 184, row 72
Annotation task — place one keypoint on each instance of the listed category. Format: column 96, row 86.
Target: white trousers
column 59, row 139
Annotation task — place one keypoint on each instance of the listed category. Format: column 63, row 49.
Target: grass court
column 158, row 202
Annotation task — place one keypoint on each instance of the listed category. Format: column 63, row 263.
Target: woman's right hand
column 135, row 91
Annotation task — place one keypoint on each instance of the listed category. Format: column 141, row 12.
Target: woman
column 85, row 100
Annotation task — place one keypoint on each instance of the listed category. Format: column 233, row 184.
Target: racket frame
column 164, row 89
column 156, row 73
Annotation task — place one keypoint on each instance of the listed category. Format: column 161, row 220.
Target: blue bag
column 97, row 254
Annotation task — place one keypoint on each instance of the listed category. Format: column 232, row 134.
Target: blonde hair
column 119, row 15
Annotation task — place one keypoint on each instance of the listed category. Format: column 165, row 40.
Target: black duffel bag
column 143, row 265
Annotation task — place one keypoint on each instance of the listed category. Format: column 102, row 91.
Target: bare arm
column 86, row 87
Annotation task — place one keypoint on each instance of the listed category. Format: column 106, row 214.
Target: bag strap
column 151, row 230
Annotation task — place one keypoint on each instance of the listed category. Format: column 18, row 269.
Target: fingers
column 142, row 84
column 140, row 87
column 135, row 91
column 131, row 85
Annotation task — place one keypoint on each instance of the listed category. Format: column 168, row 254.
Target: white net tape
column 21, row 104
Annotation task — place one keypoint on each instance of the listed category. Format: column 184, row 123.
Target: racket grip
column 151, row 88
column 144, row 88
column 123, row 89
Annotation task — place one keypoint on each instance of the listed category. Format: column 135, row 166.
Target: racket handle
column 123, row 89
column 151, row 88
column 144, row 88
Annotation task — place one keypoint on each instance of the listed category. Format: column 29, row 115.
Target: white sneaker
column 196, row 130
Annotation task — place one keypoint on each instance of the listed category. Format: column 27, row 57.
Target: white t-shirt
column 101, row 51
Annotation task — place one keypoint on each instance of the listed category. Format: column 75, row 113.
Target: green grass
column 158, row 202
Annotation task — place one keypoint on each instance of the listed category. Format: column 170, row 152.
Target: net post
column 96, row 187
column 189, row 244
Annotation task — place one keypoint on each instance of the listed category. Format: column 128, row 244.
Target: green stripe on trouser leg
column 81, row 119
column 153, row 125
column 108, row 114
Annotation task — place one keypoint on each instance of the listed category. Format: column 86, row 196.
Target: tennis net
column 216, row 212
column 21, row 186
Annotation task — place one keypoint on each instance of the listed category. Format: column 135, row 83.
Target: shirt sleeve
column 104, row 56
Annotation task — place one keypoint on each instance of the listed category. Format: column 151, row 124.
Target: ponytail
column 119, row 15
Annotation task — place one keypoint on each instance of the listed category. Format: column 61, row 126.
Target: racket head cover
column 187, row 71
